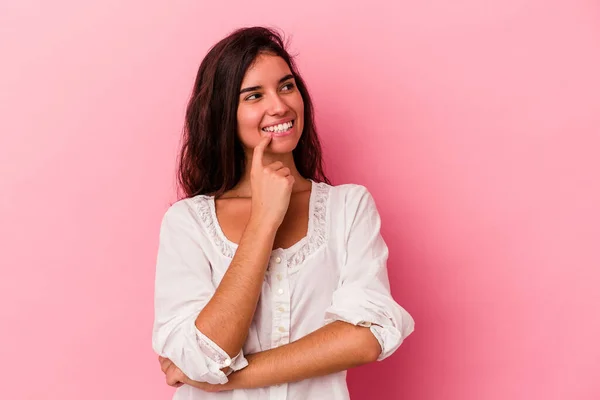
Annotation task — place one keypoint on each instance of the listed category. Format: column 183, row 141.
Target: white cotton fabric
column 337, row 272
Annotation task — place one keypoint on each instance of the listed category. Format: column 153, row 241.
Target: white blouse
column 336, row 272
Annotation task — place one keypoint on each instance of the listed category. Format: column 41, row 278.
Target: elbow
column 180, row 344
column 217, row 343
column 370, row 348
column 373, row 351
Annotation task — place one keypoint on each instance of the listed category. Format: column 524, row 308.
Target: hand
column 174, row 376
column 271, row 187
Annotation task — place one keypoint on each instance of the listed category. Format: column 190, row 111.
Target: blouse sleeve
column 363, row 295
column 183, row 286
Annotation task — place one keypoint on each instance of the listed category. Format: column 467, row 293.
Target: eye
column 253, row 96
column 290, row 85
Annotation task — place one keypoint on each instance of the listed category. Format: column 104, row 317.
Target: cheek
column 249, row 118
column 248, row 121
column 299, row 104
column 299, row 108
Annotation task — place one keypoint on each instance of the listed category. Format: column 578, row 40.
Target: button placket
column 278, row 270
column 281, row 302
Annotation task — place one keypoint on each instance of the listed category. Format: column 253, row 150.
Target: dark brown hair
column 212, row 159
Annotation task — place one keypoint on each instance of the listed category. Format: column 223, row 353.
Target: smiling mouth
column 280, row 128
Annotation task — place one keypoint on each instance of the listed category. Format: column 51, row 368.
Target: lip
column 284, row 133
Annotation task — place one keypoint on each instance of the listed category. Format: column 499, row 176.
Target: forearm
column 227, row 316
column 333, row 348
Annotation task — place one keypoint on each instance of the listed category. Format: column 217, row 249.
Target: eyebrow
column 253, row 88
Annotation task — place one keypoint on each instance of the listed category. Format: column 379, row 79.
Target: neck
column 243, row 189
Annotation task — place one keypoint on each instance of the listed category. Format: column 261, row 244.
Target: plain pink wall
column 474, row 124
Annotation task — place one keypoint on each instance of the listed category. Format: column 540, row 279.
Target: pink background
column 475, row 124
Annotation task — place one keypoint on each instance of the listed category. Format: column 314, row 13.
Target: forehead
column 266, row 69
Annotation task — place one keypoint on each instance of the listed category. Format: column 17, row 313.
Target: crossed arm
column 335, row 347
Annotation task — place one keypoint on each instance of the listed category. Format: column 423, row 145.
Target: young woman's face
column 270, row 102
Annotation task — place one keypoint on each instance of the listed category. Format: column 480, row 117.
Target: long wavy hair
column 212, row 159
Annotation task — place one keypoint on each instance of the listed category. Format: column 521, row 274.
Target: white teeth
column 279, row 128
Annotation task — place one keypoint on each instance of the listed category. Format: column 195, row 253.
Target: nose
column 277, row 105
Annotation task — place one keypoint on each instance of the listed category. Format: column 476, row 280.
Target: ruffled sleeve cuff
column 389, row 323
column 218, row 358
column 198, row 357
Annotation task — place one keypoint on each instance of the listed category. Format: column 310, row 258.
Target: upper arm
column 363, row 297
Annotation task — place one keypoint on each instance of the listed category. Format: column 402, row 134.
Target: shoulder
column 353, row 210
column 351, row 196
column 351, row 202
column 186, row 212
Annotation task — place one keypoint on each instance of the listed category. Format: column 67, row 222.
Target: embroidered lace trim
column 209, row 223
column 315, row 238
column 209, row 348
column 318, row 236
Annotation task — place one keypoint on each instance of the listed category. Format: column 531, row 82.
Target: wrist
column 259, row 226
column 242, row 379
column 235, row 381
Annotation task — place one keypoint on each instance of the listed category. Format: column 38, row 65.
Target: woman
column 270, row 282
